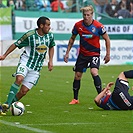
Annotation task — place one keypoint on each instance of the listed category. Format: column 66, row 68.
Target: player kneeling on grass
column 119, row 99
column 36, row 43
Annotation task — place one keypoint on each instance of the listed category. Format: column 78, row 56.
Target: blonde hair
column 87, row 8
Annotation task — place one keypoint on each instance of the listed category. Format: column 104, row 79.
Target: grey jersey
column 36, row 47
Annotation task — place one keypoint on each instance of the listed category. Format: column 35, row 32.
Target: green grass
column 49, row 109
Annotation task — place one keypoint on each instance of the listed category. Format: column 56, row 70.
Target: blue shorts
column 84, row 62
column 120, row 95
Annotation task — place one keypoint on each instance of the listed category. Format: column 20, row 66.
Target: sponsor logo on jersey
column 87, row 36
column 93, row 29
column 37, row 41
column 125, row 100
column 41, row 49
column 19, row 41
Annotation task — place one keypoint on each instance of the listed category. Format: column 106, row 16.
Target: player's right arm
column 9, row 50
column 103, row 93
column 70, row 44
column 97, row 99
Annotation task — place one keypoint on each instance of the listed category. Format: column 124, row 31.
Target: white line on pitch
column 24, row 127
column 60, row 124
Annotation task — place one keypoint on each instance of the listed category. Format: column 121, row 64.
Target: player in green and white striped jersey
column 36, row 43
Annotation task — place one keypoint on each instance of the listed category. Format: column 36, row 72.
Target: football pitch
column 48, row 111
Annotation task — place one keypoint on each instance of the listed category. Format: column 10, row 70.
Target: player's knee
column 122, row 73
column 78, row 76
column 19, row 80
column 94, row 72
column 122, row 76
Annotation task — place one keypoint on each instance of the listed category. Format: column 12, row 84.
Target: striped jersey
column 108, row 104
column 89, row 37
column 36, row 47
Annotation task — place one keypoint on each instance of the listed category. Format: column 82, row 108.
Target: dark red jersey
column 89, row 37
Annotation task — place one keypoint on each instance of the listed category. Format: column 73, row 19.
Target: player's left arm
column 107, row 44
column 51, row 54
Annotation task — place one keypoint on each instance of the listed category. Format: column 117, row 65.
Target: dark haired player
column 89, row 31
column 119, row 99
column 36, row 43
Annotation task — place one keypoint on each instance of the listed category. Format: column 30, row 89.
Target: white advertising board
column 121, row 53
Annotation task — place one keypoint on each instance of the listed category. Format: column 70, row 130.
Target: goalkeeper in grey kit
column 37, row 43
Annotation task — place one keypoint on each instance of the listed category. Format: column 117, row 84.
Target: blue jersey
column 108, row 104
column 120, row 99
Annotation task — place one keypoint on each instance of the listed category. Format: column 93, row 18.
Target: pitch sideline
column 24, row 127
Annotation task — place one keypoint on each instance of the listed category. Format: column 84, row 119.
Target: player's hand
column 2, row 57
column 109, row 85
column 66, row 58
column 106, row 59
column 50, row 66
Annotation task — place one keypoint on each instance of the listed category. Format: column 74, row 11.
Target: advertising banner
column 119, row 29
column 121, row 53
column 62, row 24
column 5, row 24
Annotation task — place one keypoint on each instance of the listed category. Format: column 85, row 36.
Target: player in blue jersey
column 119, row 99
column 36, row 43
column 89, row 31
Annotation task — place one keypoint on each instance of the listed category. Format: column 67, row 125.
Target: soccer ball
column 17, row 108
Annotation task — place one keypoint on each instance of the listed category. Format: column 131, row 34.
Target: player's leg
column 15, row 99
column 13, row 91
column 20, row 74
column 76, row 87
column 76, row 84
column 128, row 74
column 96, row 79
column 29, row 81
column 22, row 92
column 79, row 69
column 94, row 66
column 125, row 75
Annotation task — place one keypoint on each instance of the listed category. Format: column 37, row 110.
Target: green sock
column 13, row 91
column 14, row 99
